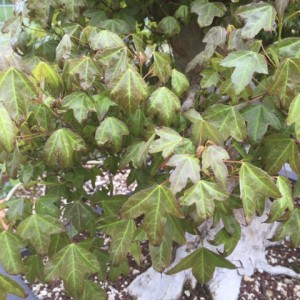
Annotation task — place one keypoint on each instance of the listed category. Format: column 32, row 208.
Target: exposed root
column 249, row 255
column 278, row 270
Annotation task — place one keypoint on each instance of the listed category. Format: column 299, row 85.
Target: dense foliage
column 95, row 86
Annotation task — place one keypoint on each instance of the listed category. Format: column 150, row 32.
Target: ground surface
column 260, row 286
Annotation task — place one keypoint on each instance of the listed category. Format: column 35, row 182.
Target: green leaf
column 72, row 263
column 104, row 40
column 293, row 116
column 289, row 47
column 203, row 131
column 257, row 16
column 279, row 206
column 114, row 62
column 162, row 66
column 72, row 8
column 213, row 157
column 228, row 120
column 102, row 104
column 111, row 131
column 59, row 148
column 229, row 240
column 203, row 263
column 16, row 208
column 92, row 291
column 131, row 155
column 168, row 141
column 285, row 80
column 279, row 149
column 290, row 228
column 37, row 229
column 10, row 286
column 169, row 26
column 255, row 182
column 180, row 83
column 47, row 205
column 80, row 103
column 155, row 203
column 8, row 130
column 122, row 233
column 128, row 89
column 42, row 9
column 186, row 167
column 116, row 271
column 258, row 118
column 34, row 268
column 43, row 115
column 281, row 5
column 246, row 63
column 79, row 215
column 48, row 79
column 207, row 11
column 209, row 78
column 63, row 49
column 161, row 255
column 57, row 242
column 183, row 14
column 165, row 104
column 110, row 204
column 82, row 71
column 137, row 154
column 117, row 26
column 203, row 194
column 15, row 92
column 10, row 254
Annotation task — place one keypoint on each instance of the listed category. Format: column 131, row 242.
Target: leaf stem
column 292, row 15
column 234, row 161
column 242, row 105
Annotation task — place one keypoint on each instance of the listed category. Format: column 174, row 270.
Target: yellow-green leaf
column 111, row 131
column 162, row 66
column 37, row 229
column 155, row 203
column 8, row 130
column 72, row 264
column 257, row 16
column 186, row 167
column 228, row 120
column 60, row 147
column 10, row 254
column 168, row 141
column 203, row 194
column 255, row 182
column 246, row 63
column 16, row 90
column 207, row 11
column 128, row 89
column 180, row 83
column 280, row 205
column 203, row 263
column 294, row 115
column 81, row 104
column 213, row 157
column 164, row 103
column 48, row 79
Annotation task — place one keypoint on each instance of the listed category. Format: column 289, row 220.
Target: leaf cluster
column 93, row 88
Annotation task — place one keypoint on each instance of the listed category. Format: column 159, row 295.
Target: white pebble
column 187, row 293
column 44, row 293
